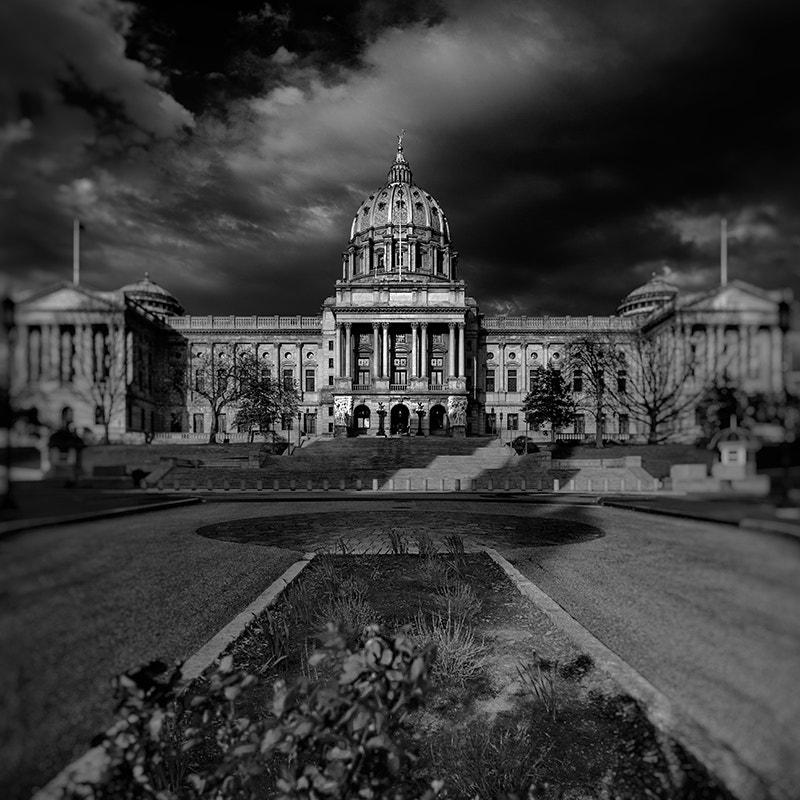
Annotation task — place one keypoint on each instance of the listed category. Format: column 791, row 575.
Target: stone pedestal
column 458, row 431
column 340, row 431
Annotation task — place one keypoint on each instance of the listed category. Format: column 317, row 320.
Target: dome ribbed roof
column 646, row 298
column 152, row 297
column 400, row 202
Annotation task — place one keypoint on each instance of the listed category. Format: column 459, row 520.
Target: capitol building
column 399, row 334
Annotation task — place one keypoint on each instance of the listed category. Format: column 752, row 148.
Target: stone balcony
column 413, row 386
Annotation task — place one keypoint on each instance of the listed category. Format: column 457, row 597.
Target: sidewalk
column 40, row 503
column 757, row 513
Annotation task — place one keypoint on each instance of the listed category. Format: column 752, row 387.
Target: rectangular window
column 512, row 382
column 330, row 427
column 330, row 380
column 330, row 411
column 624, row 425
column 198, row 423
column 311, row 423
column 400, row 338
column 437, row 362
column 489, row 380
column 330, row 363
column 437, row 377
column 490, row 423
column 622, row 381
column 513, row 422
column 399, row 377
column 577, row 381
column 223, row 423
column 363, row 377
column 330, row 345
column 286, row 422
column 199, row 381
column 401, row 362
column 311, row 385
column 363, row 362
column 288, row 379
column 580, row 424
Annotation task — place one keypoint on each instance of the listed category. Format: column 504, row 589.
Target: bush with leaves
column 350, row 740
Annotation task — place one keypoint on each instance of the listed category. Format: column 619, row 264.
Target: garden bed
column 506, row 707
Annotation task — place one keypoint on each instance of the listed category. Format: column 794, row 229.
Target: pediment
column 733, row 297
column 67, row 297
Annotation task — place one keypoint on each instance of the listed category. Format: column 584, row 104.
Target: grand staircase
column 412, row 464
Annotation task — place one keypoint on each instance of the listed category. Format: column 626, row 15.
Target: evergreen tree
column 549, row 401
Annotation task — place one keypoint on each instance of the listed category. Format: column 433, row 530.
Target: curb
column 720, row 760
column 9, row 528
column 89, row 767
column 771, row 526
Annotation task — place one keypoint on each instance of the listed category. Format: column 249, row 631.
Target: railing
column 398, row 387
column 362, row 387
column 566, row 323
column 251, row 323
column 436, row 387
column 185, row 436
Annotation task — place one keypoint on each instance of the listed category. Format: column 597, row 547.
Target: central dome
column 400, row 229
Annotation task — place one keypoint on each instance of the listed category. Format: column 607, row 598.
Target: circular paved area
column 374, row 531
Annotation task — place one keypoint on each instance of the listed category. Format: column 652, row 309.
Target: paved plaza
column 702, row 611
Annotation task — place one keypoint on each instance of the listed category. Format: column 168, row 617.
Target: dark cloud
column 576, row 146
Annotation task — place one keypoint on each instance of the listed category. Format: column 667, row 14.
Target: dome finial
column 147, row 276
column 400, row 158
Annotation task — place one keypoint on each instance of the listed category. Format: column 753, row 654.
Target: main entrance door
column 361, row 417
column 437, row 420
column 399, row 419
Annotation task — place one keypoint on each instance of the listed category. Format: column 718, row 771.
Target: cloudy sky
column 577, row 146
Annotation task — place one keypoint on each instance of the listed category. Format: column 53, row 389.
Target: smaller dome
column 655, row 293
column 153, row 298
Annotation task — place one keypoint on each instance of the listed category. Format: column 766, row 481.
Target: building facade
column 399, row 339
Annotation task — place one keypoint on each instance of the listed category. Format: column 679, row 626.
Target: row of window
column 577, row 380
column 579, row 423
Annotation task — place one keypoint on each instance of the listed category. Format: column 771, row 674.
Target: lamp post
column 420, row 410
column 299, row 422
column 381, row 418
column 500, row 430
column 494, row 424
column 8, row 502
column 789, row 414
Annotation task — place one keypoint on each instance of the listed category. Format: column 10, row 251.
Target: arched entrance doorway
column 361, row 420
column 437, row 420
column 398, row 420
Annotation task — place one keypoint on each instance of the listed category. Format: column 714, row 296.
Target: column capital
column 339, row 325
column 348, row 325
column 385, row 325
column 423, row 325
column 451, row 325
column 462, row 325
column 375, row 325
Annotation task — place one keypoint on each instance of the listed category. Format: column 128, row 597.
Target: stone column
column 337, row 352
column 451, row 351
column 776, row 359
column 414, row 349
column 386, row 371
column 348, row 352
column 376, row 352
column 500, row 372
column 461, row 350
column 423, row 367
column 709, row 352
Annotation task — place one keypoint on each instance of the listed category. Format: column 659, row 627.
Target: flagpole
column 723, row 252
column 76, row 252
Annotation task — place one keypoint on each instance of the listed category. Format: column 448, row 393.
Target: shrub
column 350, row 613
column 398, row 543
column 425, row 545
column 457, row 599
column 342, row 740
column 497, row 759
column 539, row 678
column 350, row 740
column 458, row 656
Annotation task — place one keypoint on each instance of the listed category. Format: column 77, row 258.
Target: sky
column 576, row 146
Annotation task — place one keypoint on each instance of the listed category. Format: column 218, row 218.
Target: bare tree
column 593, row 359
column 100, row 364
column 220, row 378
column 658, row 382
